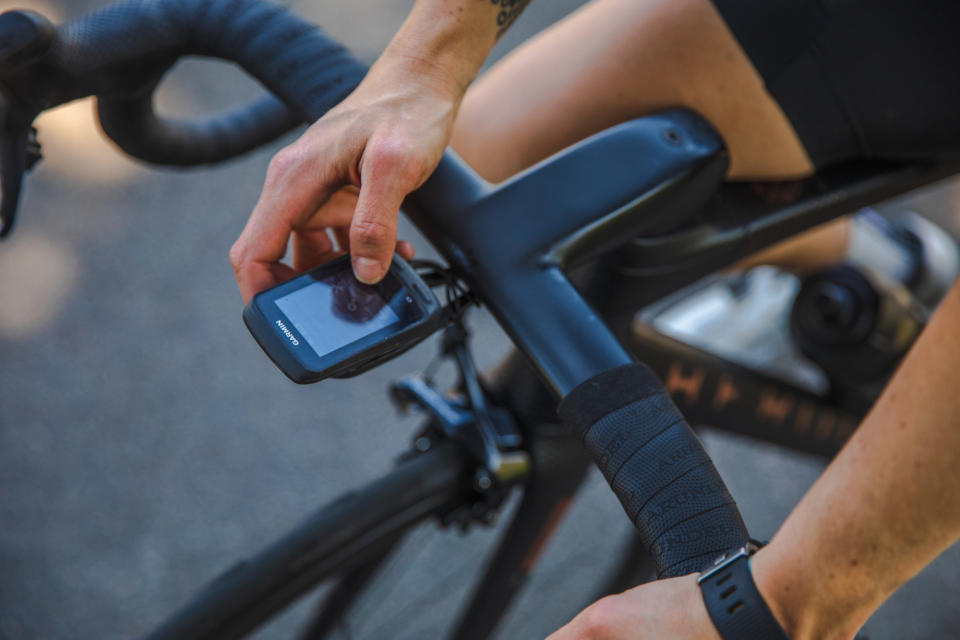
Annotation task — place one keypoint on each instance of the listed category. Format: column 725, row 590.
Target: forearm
column 884, row 508
column 447, row 41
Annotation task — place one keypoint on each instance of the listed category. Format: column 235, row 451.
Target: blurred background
column 146, row 443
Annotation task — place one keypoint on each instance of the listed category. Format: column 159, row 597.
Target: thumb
column 386, row 179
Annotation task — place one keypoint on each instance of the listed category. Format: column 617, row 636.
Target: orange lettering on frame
column 688, row 385
column 727, row 392
column 774, row 407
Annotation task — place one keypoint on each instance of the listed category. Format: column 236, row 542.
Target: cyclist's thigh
column 618, row 59
column 858, row 78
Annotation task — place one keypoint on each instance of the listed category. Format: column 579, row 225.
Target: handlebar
column 645, row 449
column 121, row 52
column 657, row 468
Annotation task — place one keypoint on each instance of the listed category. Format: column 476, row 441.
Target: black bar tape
column 657, row 468
column 600, row 395
column 137, row 129
column 121, row 52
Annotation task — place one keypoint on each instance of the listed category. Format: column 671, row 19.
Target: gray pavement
column 146, row 443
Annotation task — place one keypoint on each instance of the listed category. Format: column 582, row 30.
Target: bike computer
column 326, row 323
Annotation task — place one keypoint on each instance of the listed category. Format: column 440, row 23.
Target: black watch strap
column 735, row 605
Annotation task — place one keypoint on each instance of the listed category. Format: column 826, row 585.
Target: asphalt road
column 146, row 443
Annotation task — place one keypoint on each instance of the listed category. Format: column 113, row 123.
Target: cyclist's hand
column 663, row 610
column 384, row 140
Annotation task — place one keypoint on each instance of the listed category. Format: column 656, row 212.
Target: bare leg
column 614, row 60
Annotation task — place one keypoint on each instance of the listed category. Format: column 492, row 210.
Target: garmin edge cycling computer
column 326, row 323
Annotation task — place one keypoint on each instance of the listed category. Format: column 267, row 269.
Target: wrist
column 444, row 51
column 797, row 599
column 426, row 76
column 776, row 594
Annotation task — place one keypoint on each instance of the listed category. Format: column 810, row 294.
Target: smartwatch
column 735, row 605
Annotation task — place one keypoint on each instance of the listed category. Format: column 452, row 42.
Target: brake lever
column 12, row 157
column 19, row 152
column 25, row 37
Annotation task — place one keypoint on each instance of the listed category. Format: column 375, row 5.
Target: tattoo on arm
column 510, row 10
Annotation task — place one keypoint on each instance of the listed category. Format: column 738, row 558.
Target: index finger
column 292, row 190
column 388, row 174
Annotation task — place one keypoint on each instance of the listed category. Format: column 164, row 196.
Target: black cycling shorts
column 858, row 78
